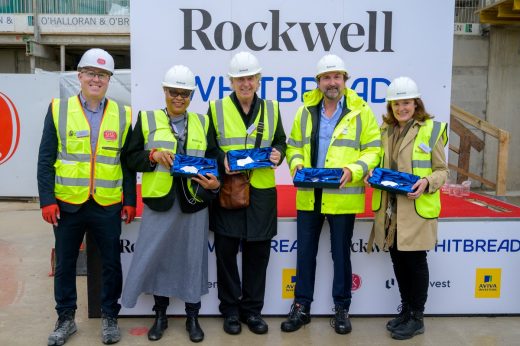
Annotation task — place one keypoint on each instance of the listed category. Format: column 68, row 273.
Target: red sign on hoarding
column 356, row 282
column 9, row 128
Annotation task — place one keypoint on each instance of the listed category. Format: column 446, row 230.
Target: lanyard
column 180, row 136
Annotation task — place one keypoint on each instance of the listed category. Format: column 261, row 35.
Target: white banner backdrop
column 379, row 40
column 472, row 271
column 30, row 95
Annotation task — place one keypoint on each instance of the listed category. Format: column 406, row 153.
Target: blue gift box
column 318, row 177
column 392, row 181
column 189, row 166
column 247, row 159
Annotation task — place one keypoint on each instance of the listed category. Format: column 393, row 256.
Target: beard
column 332, row 93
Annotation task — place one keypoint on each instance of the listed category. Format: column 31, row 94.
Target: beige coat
column 413, row 232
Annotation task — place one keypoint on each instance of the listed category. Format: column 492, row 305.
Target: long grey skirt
column 170, row 257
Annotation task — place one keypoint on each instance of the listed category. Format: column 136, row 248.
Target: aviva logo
column 288, row 283
column 487, row 283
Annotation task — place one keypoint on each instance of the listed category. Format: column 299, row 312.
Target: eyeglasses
column 176, row 92
column 101, row 75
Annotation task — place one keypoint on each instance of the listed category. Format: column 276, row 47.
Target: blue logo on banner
column 289, row 89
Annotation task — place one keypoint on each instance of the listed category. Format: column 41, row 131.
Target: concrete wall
column 503, row 95
column 14, row 60
column 469, row 90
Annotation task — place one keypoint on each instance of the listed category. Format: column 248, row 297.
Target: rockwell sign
column 199, row 29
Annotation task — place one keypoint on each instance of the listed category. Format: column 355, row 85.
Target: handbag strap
column 260, row 126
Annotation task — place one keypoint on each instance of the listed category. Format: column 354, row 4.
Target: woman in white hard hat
column 406, row 225
column 236, row 119
column 171, row 254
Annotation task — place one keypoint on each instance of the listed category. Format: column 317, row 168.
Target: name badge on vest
column 82, row 133
column 425, row 148
column 110, row 135
column 251, row 129
column 344, row 131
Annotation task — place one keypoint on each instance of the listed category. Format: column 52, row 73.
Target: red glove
column 128, row 213
column 51, row 214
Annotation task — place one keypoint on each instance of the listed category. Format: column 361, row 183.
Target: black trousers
column 246, row 299
column 104, row 224
column 161, row 304
column 411, row 272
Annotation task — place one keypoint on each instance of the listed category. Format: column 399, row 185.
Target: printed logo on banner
column 487, row 282
column 390, row 283
column 356, row 282
column 10, row 125
column 126, row 246
column 288, row 283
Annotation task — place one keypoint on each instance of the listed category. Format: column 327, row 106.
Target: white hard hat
column 179, row 76
column 244, row 64
column 97, row 58
column 402, row 88
column 330, row 63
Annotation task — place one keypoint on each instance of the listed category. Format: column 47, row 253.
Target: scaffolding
column 97, row 7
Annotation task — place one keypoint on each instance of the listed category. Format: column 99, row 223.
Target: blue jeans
column 104, row 224
column 309, row 225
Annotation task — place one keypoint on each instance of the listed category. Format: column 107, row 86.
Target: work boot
column 65, row 327
column 403, row 316
column 298, row 316
column 110, row 333
column 194, row 329
column 232, row 325
column 255, row 323
column 159, row 326
column 341, row 322
column 412, row 327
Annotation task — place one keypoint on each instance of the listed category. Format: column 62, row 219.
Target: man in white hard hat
column 334, row 128
column 82, row 177
column 171, row 253
column 242, row 120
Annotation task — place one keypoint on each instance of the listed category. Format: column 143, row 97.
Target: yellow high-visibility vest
column 78, row 172
column 355, row 144
column 232, row 134
column 158, row 135
column 428, row 205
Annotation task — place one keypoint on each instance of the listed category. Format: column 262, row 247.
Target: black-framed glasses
column 178, row 92
column 101, row 75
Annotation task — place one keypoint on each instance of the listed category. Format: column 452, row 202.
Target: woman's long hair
column 420, row 113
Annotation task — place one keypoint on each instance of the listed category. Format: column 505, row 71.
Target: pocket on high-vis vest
column 77, row 146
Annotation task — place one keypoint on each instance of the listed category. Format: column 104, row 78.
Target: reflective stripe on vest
column 157, row 134
column 74, row 180
column 232, row 134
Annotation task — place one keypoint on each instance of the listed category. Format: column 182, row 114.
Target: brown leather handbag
column 234, row 193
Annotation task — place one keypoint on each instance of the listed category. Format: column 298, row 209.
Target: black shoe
column 65, row 327
column 341, row 322
column 298, row 316
column 412, row 327
column 232, row 325
column 159, row 326
column 194, row 329
column 256, row 324
column 404, row 315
